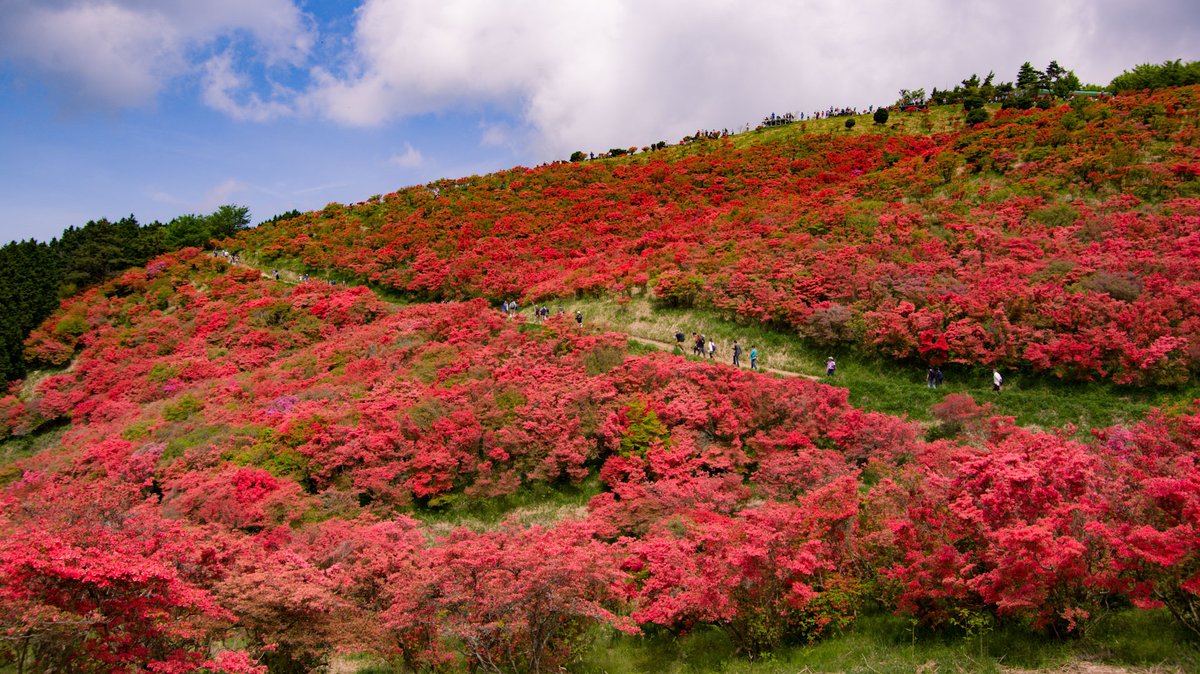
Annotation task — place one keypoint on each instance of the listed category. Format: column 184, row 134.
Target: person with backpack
column 753, row 358
column 579, row 318
column 737, row 354
column 712, row 349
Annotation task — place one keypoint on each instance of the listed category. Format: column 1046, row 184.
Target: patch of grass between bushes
column 887, row 644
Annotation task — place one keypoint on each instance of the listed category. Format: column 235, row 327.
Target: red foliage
column 237, row 458
column 512, row 600
column 768, row 573
column 1005, row 529
column 92, row 582
column 882, row 241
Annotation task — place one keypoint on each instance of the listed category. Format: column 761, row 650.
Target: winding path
column 670, row 348
column 292, row 278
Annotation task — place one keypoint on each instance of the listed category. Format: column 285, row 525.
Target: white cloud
column 222, row 84
column 609, row 73
column 496, row 134
column 220, row 194
column 123, row 53
column 576, row 74
column 409, row 158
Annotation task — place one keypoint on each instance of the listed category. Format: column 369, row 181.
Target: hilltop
column 343, row 449
column 1057, row 241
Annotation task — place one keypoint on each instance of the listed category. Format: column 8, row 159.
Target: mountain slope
column 226, row 473
column 1060, row 241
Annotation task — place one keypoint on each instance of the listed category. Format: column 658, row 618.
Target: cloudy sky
column 158, row 108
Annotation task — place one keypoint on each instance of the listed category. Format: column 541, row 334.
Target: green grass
column 939, row 119
column 889, row 386
column 889, row 644
column 14, row 449
column 537, row 503
column 873, row 383
column 290, row 270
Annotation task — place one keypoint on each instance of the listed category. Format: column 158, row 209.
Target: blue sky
column 158, row 108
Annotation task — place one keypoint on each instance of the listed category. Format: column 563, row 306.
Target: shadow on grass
column 889, row 644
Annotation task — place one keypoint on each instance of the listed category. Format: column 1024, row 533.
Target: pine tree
column 1028, row 77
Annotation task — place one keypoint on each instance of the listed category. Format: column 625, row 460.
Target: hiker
column 753, row 358
column 712, row 349
column 997, row 380
column 929, row 376
column 504, row 306
column 938, row 377
column 698, row 347
column 830, row 366
column 737, row 354
column 679, row 337
column 579, row 318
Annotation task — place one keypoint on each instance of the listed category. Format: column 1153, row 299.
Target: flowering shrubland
column 1062, row 240
column 241, row 470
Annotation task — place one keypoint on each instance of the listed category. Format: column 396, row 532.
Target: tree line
column 1034, row 87
column 1038, row 88
column 35, row 276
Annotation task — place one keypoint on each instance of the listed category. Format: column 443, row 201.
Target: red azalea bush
column 235, row 462
column 958, row 247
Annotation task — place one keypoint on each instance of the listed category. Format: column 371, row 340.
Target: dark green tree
column 1149, row 76
column 1028, row 77
column 34, row 275
column 29, row 280
column 1054, row 72
column 227, row 221
column 199, row 230
column 987, row 90
column 1065, row 85
column 880, row 116
column 99, row 250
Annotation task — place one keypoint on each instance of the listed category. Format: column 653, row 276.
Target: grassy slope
column 1132, row 641
column 887, row 386
column 874, row 383
column 876, row 643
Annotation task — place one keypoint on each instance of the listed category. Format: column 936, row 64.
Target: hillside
column 1058, row 241
column 225, row 472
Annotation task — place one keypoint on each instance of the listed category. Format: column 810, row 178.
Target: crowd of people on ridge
column 704, row 134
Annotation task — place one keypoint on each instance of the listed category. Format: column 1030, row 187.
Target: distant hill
column 1059, row 240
